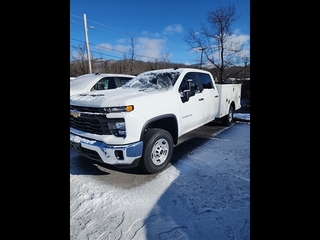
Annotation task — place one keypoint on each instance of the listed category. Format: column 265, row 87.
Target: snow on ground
column 205, row 195
column 241, row 116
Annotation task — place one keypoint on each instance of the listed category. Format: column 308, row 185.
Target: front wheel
column 228, row 119
column 157, row 150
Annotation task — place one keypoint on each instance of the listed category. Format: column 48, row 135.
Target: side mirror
column 191, row 91
column 190, row 84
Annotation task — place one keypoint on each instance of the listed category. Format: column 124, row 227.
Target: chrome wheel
column 159, row 151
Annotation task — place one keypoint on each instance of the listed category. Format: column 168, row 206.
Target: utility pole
column 87, row 41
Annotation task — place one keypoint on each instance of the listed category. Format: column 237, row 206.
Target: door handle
column 201, row 99
column 216, row 96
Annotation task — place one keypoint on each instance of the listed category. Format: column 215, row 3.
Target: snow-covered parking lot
column 204, row 195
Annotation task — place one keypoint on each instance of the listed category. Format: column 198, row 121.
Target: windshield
column 154, row 80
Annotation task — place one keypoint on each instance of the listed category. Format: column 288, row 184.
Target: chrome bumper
column 114, row 155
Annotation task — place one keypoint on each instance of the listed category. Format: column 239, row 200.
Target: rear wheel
column 157, row 150
column 228, row 119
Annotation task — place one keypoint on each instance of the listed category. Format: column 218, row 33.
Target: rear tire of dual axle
column 228, row 119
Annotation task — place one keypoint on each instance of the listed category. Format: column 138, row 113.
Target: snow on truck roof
column 88, row 79
column 89, row 82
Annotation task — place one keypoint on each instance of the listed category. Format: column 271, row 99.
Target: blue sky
column 157, row 27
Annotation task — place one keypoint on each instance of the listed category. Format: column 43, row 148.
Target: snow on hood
column 82, row 82
column 112, row 97
column 97, row 97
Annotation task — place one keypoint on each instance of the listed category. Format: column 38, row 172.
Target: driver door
column 192, row 110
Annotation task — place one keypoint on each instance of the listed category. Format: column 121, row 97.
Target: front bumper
column 123, row 155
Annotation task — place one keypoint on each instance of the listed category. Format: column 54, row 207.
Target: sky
column 204, row 195
column 157, row 27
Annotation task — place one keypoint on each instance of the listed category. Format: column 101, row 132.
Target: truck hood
column 115, row 97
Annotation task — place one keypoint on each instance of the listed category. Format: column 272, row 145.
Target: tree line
column 125, row 66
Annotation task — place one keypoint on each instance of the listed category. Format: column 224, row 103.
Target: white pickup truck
column 139, row 123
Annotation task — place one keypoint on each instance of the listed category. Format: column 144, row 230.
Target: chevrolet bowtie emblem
column 75, row 114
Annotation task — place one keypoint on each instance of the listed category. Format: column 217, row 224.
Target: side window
column 102, row 84
column 183, row 85
column 124, row 80
column 206, row 80
column 112, row 83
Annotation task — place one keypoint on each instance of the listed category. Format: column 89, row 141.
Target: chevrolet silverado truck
column 138, row 124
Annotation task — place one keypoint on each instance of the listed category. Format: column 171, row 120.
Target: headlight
column 118, row 129
column 128, row 108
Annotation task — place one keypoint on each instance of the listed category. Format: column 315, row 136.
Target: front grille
column 91, row 123
column 87, row 109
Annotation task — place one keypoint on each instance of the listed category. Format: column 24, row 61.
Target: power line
column 116, row 29
column 104, row 54
column 125, row 32
column 114, row 50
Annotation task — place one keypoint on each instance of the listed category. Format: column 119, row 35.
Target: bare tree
column 165, row 60
column 214, row 40
column 79, row 64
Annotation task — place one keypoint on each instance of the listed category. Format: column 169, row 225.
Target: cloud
column 117, row 48
column 122, row 48
column 149, row 49
column 145, row 48
column 105, row 46
column 173, row 28
column 74, row 55
column 150, row 34
column 241, row 38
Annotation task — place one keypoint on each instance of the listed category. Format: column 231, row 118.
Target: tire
column 228, row 119
column 157, row 150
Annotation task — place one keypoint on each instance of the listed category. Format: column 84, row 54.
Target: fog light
column 119, row 154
